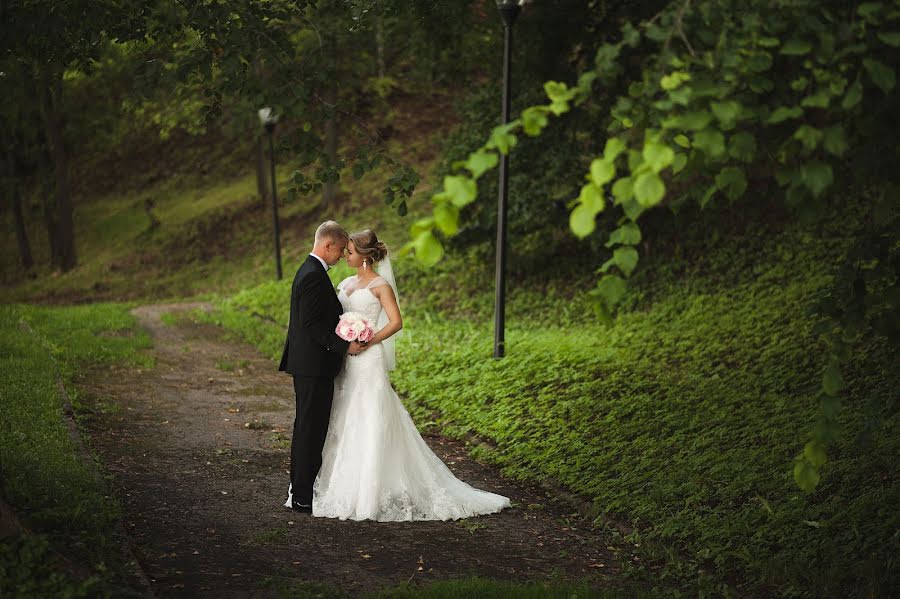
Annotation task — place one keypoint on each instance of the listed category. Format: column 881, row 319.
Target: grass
column 468, row 588
column 683, row 419
column 69, row 548
column 214, row 234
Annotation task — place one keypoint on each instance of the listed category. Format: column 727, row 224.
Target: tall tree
column 79, row 29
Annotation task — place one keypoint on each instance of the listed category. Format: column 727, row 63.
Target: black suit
column 313, row 354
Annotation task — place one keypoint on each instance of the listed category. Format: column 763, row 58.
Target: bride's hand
column 355, row 347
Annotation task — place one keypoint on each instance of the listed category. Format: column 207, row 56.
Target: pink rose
column 366, row 335
column 346, row 331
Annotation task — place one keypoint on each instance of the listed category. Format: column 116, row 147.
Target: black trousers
column 314, row 396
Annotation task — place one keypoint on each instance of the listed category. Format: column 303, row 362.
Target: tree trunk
column 379, row 45
column 50, row 91
column 262, row 180
column 15, row 193
column 329, row 190
column 21, row 233
column 48, row 205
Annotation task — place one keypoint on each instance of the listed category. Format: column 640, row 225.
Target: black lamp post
column 268, row 121
column 509, row 10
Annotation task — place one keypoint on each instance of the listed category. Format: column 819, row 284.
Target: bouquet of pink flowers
column 353, row 326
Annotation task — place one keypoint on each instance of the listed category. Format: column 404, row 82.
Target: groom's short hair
column 331, row 230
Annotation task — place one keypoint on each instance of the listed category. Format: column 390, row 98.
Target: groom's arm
column 314, row 319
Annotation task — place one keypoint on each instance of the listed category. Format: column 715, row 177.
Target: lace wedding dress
column 375, row 464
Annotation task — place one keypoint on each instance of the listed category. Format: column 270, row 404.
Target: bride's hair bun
column 379, row 251
column 367, row 245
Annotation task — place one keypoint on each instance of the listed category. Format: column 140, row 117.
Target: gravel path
column 198, row 453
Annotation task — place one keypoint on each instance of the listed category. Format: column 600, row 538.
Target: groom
column 313, row 354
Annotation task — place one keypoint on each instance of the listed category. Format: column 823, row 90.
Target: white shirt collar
column 325, row 266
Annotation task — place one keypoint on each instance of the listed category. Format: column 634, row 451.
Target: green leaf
column 635, row 160
column 727, row 112
column 558, row 91
column 820, row 99
column 707, row 195
column 421, row 226
column 632, row 208
column 649, row 189
column 602, row 171
column 623, row 189
column 679, row 163
column 853, row 96
column 805, row 475
column 832, row 381
column 627, row 234
column 711, row 142
column 481, row 161
column 658, row 156
column 446, row 217
column 614, row 147
column 742, row 146
column 681, row 95
column 605, row 58
column 559, row 95
column 817, row 176
column 795, row 47
column 534, row 119
column 891, row 38
column 835, row 140
column 460, row 189
column 869, row 11
column 674, row 80
column 626, row 258
column 808, row 136
column 881, row 74
column 732, row 182
column 783, row 113
column 502, row 139
column 428, row 249
column 582, row 221
column 682, row 140
column 759, row 62
column 814, row 452
column 592, row 197
column 630, row 35
column 611, row 288
column 691, row 121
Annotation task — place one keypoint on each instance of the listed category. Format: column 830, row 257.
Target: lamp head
column 267, row 118
column 509, row 10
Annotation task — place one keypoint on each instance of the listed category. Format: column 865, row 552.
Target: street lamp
column 268, row 119
column 509, row 10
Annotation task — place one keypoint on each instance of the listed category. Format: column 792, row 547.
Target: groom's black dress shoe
column 305, row 509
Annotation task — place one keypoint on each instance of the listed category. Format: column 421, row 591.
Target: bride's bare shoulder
column 378, row 281
column 348, row 283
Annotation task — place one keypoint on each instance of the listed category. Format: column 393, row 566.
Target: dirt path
column 198, row 453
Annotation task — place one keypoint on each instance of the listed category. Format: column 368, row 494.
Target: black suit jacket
column 312, row 348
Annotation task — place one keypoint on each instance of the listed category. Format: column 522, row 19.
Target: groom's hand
column 355, row 347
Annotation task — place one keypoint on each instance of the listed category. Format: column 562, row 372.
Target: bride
column 375, row 464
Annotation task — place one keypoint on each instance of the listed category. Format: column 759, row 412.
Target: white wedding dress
column 375, row 464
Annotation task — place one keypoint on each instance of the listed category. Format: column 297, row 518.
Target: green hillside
column 682, row 420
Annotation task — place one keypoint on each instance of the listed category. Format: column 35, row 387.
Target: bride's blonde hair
column 368, row 246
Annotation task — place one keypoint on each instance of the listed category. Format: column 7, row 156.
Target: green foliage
column 694, row 111
column 29, row 568
column 474, row 588
column 679, row 420
column 44, row 480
